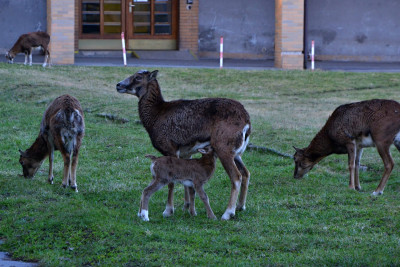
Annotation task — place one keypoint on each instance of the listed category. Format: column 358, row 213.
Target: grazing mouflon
column 26, row 43
column 62, row 129
column 351, row 128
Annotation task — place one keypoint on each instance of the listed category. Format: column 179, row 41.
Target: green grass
column 313, row 221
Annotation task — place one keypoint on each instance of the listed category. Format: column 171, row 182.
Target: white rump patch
column 366, row 141
column 245, row 141
column 187, row 183
column 397, row 139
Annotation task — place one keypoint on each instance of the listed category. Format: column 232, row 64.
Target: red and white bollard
column 312, row 55
column 221, row 52
column 123, row 48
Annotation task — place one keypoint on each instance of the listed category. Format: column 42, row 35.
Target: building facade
column 282, row 30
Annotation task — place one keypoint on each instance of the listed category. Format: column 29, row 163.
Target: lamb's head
column 208, row 151
column 137, row 83
column 303, row 163
column 29, row 165
column 10, row 57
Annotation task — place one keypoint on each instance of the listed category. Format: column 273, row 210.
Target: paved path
column 6, row 261
column 214, row 63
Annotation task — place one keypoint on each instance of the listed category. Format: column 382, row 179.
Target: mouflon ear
column 153, row 75
column 23, row 153
column 298, row 150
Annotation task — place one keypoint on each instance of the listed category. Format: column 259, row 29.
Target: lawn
column 313, row 221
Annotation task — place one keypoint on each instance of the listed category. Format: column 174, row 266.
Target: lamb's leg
column 192, row 195
column 154, row 186
column 187, row 201
column 203, row 196
column 169, row 209
column 245, row 182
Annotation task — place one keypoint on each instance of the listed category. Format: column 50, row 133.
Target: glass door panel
column 151, row 18
column 91, row 16
column 101, row 18
column 112, row 16
column 142, row 17
column 162, row 17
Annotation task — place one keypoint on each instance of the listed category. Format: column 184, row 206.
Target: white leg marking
column 45, row 62
column 144, row 215
column 30, row 59
column 169, row 210
column 377, row 193
column 229, row 213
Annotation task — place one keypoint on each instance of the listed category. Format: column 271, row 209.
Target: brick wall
column 61, row 27
column 289, row 22
column 189, row 26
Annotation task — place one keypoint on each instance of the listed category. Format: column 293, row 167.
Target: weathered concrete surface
column 18, row 17
column 248, row 28
column 5, row 261
column 356, row 30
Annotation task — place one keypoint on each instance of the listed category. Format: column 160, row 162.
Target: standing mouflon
column 178, row 128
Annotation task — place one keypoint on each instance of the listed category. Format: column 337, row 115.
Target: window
column 152, row 17
column 101, row 17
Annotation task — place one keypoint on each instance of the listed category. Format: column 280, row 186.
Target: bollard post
column 312, row 55
column 123, row 48
column 221, row 53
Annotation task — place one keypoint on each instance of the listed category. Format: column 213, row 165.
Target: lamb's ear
column 153, row 75
column 205, row 150
column 202, row 150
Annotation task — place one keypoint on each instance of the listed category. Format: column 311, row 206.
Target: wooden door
column 151, row 20
column 148, row 24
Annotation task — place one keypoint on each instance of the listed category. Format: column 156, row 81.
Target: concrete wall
column 365, row 30
column 248, row 28
column 18, row 17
